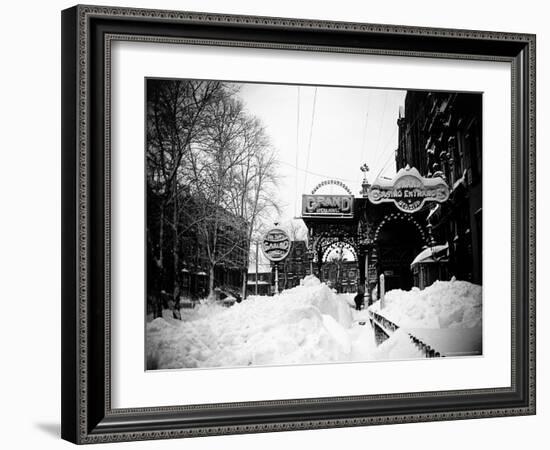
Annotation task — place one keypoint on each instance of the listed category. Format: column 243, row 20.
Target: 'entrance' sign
column 276, row 245
column 409, row 190
column 327, row 205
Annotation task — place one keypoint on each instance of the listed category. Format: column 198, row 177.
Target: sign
column 409, row 190
column 327, row 205
column 276, row 245
column 372, row 274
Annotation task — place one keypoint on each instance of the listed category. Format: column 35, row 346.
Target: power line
column 381, row 125
column 362, row 149
column 399, row 142
column 384, row 148
column 331, row 177
column 297, row 150
column 310, row 136
column 386, row 163
column 363, row 141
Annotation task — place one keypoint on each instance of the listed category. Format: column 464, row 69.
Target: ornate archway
column 397, row 239
column 325, row 242
column 331, row 183
column 342, row 245
column 398, row 216
column 382, row 238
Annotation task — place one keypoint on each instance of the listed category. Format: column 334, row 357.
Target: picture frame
column 87, row 35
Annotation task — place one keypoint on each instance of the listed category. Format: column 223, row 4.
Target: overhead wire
column 394, row 150
column 317, row 174
column 297, row 151
column 310, row 136
column 378, row 155
column 363, row 140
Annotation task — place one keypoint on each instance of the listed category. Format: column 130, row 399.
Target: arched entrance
column 340, row 269
column 397, row 240
column 382, row 238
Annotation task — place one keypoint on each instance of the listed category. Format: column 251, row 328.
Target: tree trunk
column 175, row 251
column 245, row 279
column 211, row 282
column 160, row 266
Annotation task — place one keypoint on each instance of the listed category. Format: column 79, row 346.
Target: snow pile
column 444, row 304
column 398, row 346
column 306, row 324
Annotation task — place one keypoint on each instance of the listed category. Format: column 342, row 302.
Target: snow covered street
column 304, row 325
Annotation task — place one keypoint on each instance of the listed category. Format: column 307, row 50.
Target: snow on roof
column 427, row 255
column 407, row 170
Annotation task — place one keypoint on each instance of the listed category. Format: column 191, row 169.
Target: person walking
column 359, row 298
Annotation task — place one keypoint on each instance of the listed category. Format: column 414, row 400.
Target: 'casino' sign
column 276, row 245
column 409, row 190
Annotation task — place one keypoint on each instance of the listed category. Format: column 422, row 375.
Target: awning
column 437, row 253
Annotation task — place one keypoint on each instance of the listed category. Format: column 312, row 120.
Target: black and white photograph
column 275, row 225
column 302, row 224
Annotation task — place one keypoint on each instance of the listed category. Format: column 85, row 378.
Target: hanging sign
column 276, row 245
column 409, row 190
column 327, row 206
column 372, row 273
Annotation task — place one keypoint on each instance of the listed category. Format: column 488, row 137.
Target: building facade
column 343, row 276
column 440, row 134
column 178, row 262
column 259, row 284
column 425, row 223
column 295, row 267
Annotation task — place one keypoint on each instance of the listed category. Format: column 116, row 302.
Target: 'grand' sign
column 409, row 190
column 327, row 205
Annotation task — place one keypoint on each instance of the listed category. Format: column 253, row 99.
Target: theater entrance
column 381, row 238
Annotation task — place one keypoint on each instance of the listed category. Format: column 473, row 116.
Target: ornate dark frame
column 87, row 416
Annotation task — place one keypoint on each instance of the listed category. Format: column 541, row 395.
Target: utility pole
column 256, row 287
column 382, row 291
column 276, row 278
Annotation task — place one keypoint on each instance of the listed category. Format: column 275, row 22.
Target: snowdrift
column 306, row 324
column 444, row 304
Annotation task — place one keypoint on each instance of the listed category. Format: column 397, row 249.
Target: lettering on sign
column 276, row 245
column 327, row 205
column 372, row 274
column 409, row 190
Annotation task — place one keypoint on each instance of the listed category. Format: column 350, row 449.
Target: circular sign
column 276, row 245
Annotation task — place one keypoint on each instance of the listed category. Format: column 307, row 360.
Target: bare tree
column 175, row 112
column 297, row 230
column 236, row 168
column 210, row 179
column 252, row 193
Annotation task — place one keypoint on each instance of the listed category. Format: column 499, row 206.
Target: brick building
column 440, row 134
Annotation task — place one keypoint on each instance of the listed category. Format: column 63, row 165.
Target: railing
column 384, row 328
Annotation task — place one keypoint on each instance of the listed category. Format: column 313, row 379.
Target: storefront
column 385, row 228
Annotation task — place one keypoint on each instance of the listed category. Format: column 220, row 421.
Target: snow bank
column 444, row 304
column 397, row 346
column 306, row 324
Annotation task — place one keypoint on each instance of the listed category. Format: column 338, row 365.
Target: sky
column 322, row 133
